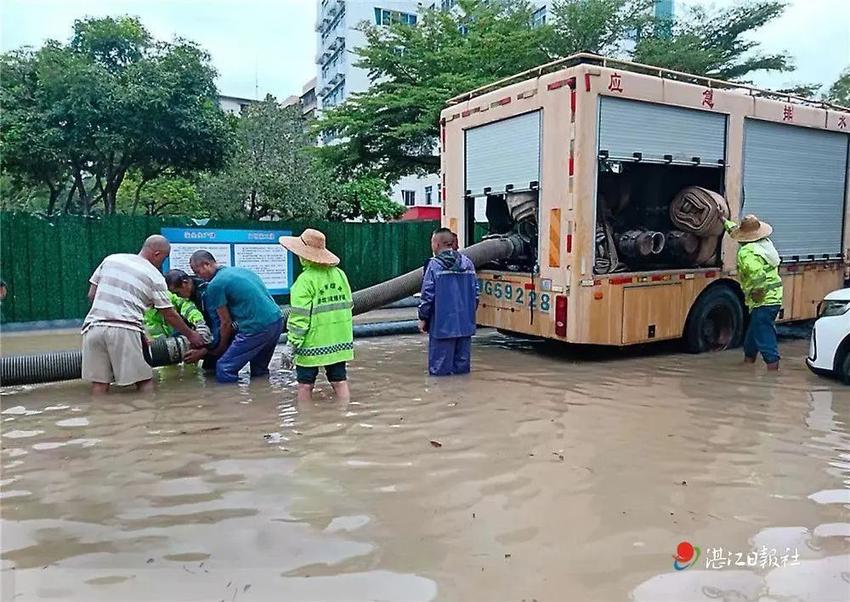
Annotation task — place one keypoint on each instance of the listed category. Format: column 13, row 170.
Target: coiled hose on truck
column 701, row 212
column 67, row 365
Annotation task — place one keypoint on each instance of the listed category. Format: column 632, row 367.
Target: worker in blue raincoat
column 449, row 298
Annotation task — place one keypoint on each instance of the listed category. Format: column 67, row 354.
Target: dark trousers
column 449, row 356
column 256, row 349
column 761, row 334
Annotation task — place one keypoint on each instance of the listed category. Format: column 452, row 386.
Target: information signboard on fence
column 257, row 250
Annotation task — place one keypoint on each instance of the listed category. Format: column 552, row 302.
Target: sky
column 269, row 46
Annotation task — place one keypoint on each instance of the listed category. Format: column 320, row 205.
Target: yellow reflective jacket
column 320, row 325
column 758, row 271
column 156, row 326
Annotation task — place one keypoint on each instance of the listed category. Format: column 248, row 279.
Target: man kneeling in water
column 193, row 290
column 156, row 326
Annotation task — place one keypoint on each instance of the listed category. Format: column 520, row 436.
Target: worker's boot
column 772, row 367
column 749, row 360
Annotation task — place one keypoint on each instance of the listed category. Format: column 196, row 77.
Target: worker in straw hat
column 758, row 273
column 319, row 327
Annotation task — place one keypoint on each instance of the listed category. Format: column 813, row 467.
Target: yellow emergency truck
column 609, row 171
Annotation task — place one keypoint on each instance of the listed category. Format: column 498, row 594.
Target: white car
column 829, row 348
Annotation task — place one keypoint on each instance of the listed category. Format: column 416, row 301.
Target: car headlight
column 833, row 308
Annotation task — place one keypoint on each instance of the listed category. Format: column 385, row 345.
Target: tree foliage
column 714, row 43
column 839, row 92
column 365, row 197
column 78, row 117
column 271, row 171
column 164, row 195
column 598, row 26
column 414, row 69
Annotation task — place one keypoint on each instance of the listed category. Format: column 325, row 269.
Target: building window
column 335, row 96
column 538, row 17
column 388, row 17
column 409, row 197
column 447, row 4
column 328, row 137
column 429, row 195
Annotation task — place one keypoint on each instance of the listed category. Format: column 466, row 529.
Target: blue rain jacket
column 449, row 296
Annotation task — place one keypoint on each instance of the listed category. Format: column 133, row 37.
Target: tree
column 714, row 43
column 366, row 197
column 165, row 195
column 15, row 196
column 839, row 92
column 78, row 117
column 30, row 143
column 271, row 171
column 392, row 128
column 598, row 26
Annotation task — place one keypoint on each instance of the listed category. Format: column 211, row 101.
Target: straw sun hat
column 751, row 229
column 310, row 246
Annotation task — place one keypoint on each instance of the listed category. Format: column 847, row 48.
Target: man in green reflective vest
column 320, row 326
column 758, row 273
column 156, row 326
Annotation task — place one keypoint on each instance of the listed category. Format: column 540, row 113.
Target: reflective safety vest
column 320, row 324
column 155, row 323
column 758, row 270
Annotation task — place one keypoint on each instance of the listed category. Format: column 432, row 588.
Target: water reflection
column 556, row 475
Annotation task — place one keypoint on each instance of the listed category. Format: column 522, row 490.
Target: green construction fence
column 46, row 262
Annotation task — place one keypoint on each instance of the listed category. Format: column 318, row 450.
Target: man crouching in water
column 449, row 298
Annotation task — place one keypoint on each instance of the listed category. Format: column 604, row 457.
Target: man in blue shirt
column 238, row 296
column 194, row 289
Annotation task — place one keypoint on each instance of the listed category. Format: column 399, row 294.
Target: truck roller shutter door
column 503, row 153
column 660, row 133
column 794, row 179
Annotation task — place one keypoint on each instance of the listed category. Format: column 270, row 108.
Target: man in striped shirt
column 122, row 287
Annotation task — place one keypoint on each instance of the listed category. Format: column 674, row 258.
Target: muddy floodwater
column 547, row 474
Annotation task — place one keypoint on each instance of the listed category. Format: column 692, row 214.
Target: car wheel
column 715, row 322
column 844, row 373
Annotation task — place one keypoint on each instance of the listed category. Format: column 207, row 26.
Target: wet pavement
column 39, row 341
column 548, row 475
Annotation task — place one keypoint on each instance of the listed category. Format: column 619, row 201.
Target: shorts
column 306, row 375
column 113, row 355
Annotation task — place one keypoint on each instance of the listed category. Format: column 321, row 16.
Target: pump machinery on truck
column 615, row 177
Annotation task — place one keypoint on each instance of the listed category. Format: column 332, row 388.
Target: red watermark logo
column 686, row 555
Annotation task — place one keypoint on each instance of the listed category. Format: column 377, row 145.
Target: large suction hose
column 67, row 365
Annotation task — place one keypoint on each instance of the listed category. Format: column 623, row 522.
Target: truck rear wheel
column 716, row 321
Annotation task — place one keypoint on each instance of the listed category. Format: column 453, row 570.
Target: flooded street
column 546, row 475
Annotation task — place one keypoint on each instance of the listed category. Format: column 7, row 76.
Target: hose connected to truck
column 67, row 365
